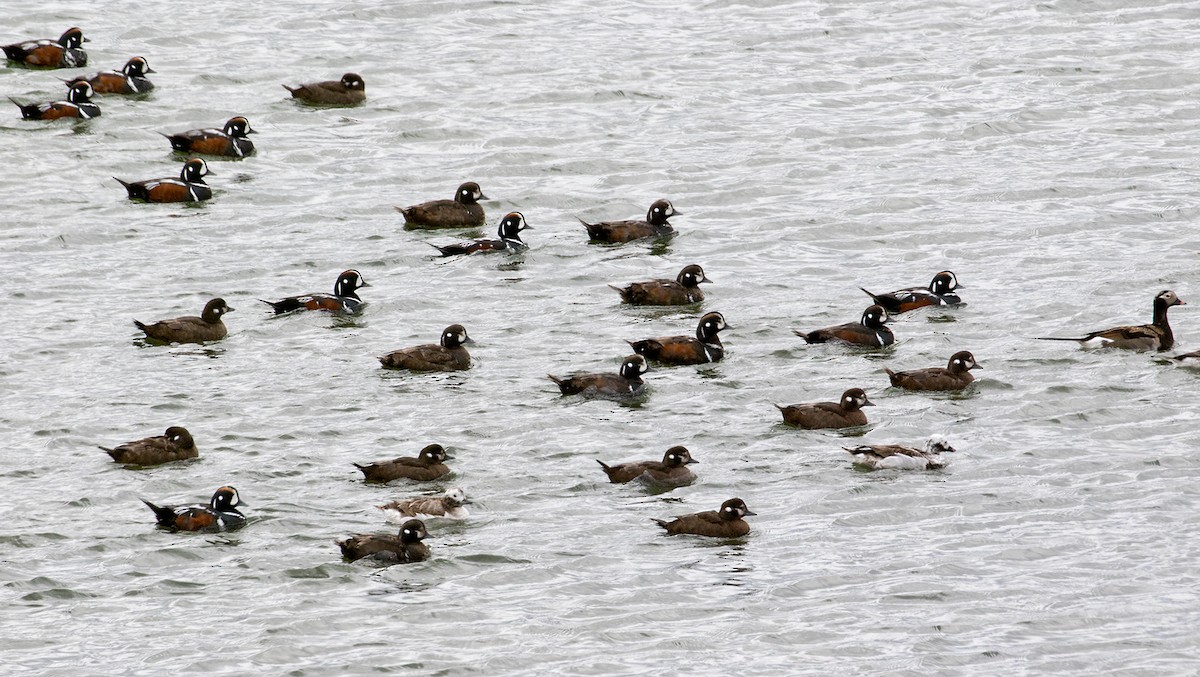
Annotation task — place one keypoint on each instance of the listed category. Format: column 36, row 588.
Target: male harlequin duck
column 510, row 239
column 672, row 471
column 65, row 52
column 404, row 548
column 1154, row 336
column 429, row 465
column 869, row 331
column 230, row 141
column 190, row 329
column 816, row 415
column 221, row 513
column 448, row 355
column 625, row 383
column 706, row 347
column 939, row 293
column 955, row 376
column 464, row 211
column 343, row 300
column 131, row 79
column 450, row 506
column 176, row 444
column 78, row 105
column 724, row 523
column 189, row 187
column 894, row 456
column 655, row 225
column 683, row 290
column 348, row 91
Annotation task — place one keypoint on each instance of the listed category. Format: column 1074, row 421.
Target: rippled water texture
column 1045, row 152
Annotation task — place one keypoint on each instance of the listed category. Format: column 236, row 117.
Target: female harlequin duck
column 869, row 331
column 955, row 376
column 343, row 300
column 449, row 355
column 625, row 383
column 894, row 456
column 706, row 347
column 65, row 52
column 348, row 91
column 724, row 523
column 429, row 465
column 449, row 506
column 1154, row 336
column 230, row 141
column 672, row 471
column 404, row 548
column 510, row 239
column 939, row 293
column 683, row 290
column 655, row 225
column 131, row 79
column 464, row 211
column 221, row 513
column 78, row 105
column 817, row 415
column 189, row 187
column 190, row 329
column 176, row 444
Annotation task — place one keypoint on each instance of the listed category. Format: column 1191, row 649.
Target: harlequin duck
column 870, row 331
column 404, row 548
column 1154, row 336
column 1194, row 354
column 429, row 465
column 672, row 471
column 189, row 187
column 449, row 355
column 176, row 444
column 939, row 293
column 65, row 52
column 955, row 376
column 348, row 91
column 131, row 79
column 724, row 523
column 683, row 290
column 343, row 300
column 894, row 456
column 450, row 506
column 221, row 513
column 230, row 141
column 510, row 239
column 625, row 383
column 706, row 347
column 815, row 415
column 655, row 225
column 78, row 105
column 190, row 329
column 463, row 211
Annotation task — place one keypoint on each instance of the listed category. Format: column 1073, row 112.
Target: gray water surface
column 1044, row 152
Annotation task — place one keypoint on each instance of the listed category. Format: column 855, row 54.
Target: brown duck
column 724, row 523
column 429, row 465
column 683, row 290
column 870, row 331
column 348, row 91
column 956, row 375
column 655, row 225
column 1154, row 336
column 940, row 292
column 176, row 444
column 464, row 211
column 448, row 355
column 672, row 470
column 403, row 548
column 706, row 347
column 816, row 415
column 190, row 329
column 625, row 383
